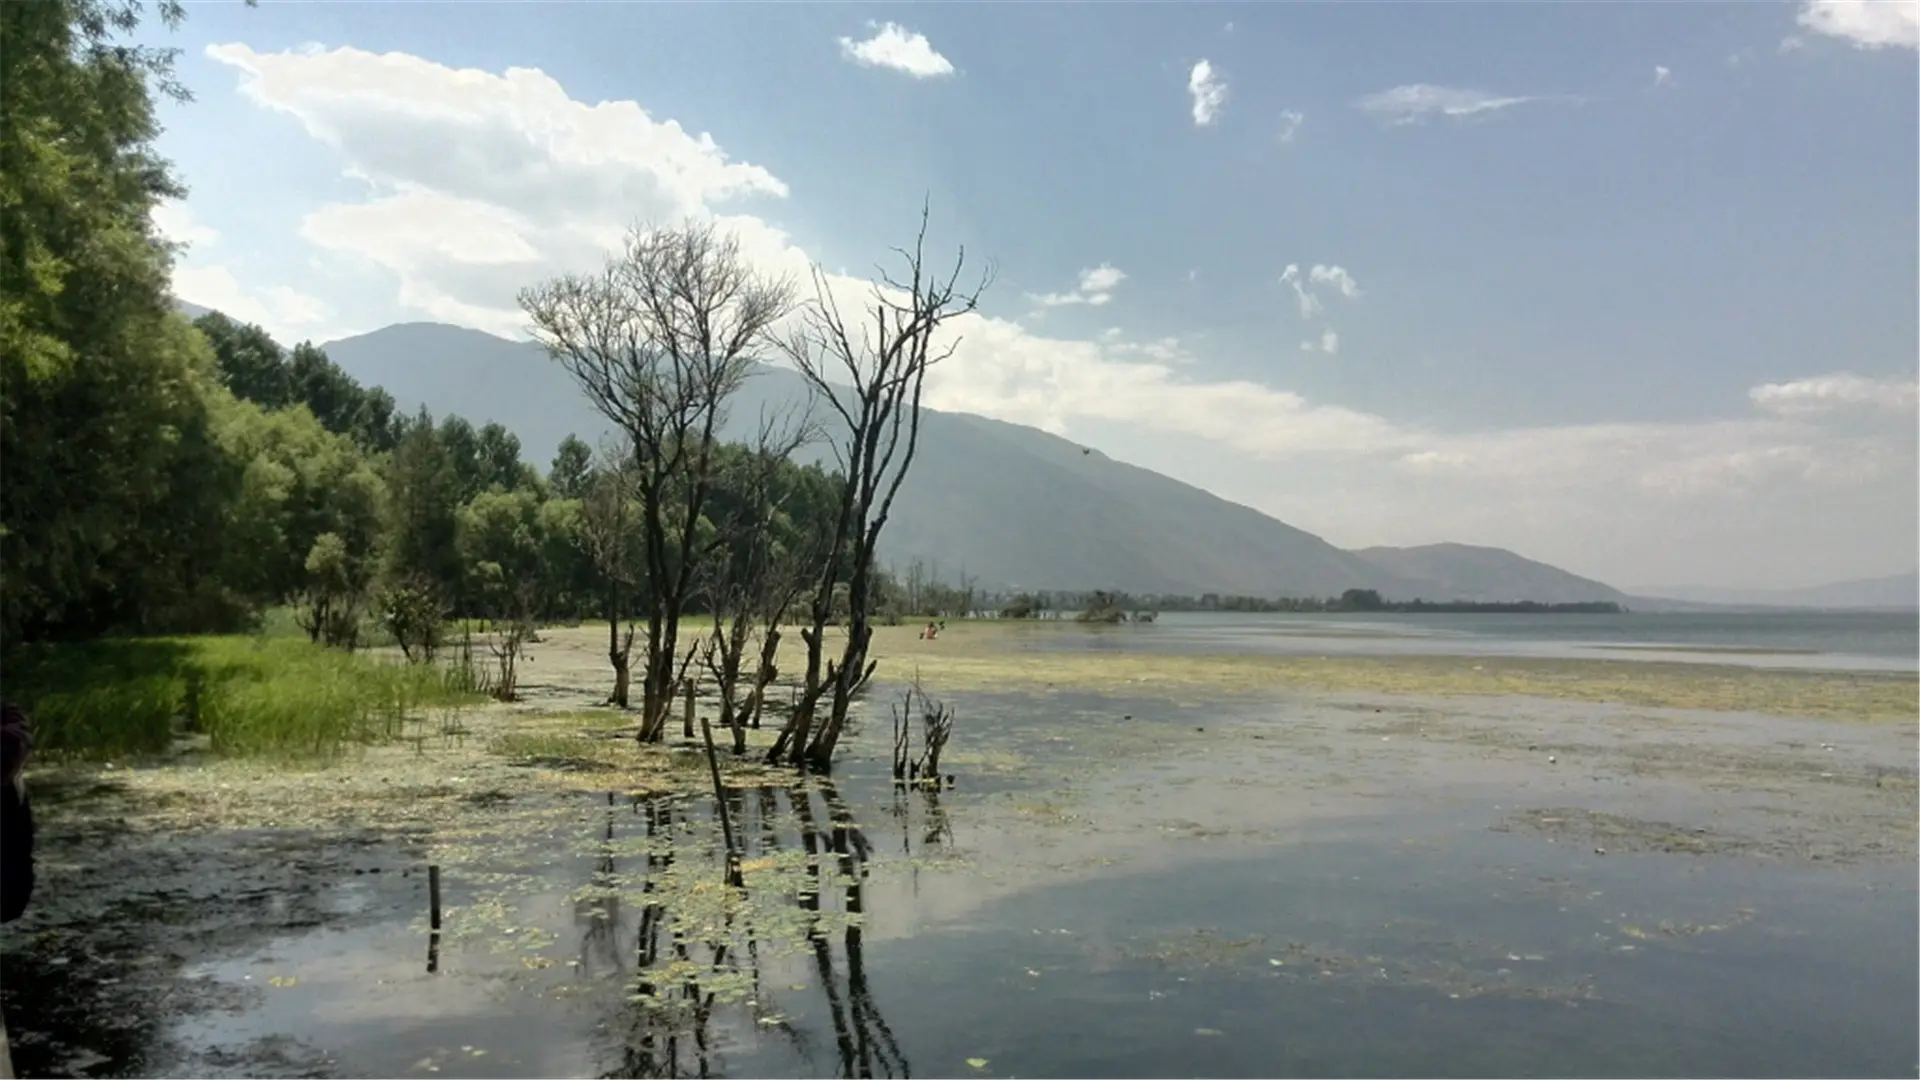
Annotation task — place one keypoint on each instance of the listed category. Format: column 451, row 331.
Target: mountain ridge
column 1891, row 592
column 1011, row 507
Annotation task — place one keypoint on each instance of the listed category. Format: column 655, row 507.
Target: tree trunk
column 621, row 679
column 657, row 682
column 616, row 654
column 769, row 650
column 854, row 671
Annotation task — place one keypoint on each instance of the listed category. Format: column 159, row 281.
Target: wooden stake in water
column 720, row 796
column 433, row 896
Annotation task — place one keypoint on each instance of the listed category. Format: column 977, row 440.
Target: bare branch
column 873, row 382
column 658, row 341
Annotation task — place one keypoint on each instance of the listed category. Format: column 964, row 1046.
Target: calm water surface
column 1116, row 887
column 1888, row 641
column 1083, row 906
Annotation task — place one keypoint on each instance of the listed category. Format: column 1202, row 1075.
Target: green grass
column 250, row 696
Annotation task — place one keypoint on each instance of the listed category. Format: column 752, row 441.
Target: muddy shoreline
column 160, row 881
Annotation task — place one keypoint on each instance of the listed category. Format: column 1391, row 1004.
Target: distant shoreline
column 1372, row 605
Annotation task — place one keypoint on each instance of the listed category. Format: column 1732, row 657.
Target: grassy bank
column 245, row 695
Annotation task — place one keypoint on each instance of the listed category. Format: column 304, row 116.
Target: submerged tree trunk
column 872, row 377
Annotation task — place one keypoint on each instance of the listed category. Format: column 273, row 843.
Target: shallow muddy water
column 1116, row 886
column 1816, row 641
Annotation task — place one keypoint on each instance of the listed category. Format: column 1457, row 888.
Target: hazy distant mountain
column 1465, row 572
column 1900, row 592
column 191, row 311
column 451, row 369
column 1011, row 506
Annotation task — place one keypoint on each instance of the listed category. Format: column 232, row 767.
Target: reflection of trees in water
column 599, row 911
column 667, row 1029
column 933, row 827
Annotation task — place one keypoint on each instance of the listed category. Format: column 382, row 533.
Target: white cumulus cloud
column 285, row 312
column 1095, row 288
column 1867, row 24
column 894, row 46
column 1208, row 91
column 475, row 183
column 174, row 222
column 1838, row 391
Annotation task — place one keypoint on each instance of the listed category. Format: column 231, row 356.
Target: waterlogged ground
column 1467, row 867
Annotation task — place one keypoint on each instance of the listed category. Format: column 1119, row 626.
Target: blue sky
column 1627, row 287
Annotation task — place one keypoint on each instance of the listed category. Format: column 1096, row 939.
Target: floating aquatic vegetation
column 989, row 657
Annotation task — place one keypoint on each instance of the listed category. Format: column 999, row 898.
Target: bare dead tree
column 744, row 578
column 610, row 534
column 509, row 628
column 658, row 341
column 936, row 729
column 870, row 377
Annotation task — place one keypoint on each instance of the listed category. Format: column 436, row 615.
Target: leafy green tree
column 422, row 558
column 251, row 363
column 572, row 469
column 498, row 451
column 501, row 544
column 301, row 481
column 376, row 424
column 330, row 605
column 461, row 443
column 569, row 585
column 101, row 404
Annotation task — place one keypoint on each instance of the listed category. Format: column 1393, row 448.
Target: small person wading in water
column 16, row 835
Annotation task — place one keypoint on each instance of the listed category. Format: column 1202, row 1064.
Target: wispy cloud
column 894, row 46
column 1328, row 342
column 1209, row 93
column 1868, row 24
column 1337, row 277
column 1415, row 102
column 1662, row 76
column 1290, row 121
column 1306, row 289
column 1095, row 288
column 1304, row 284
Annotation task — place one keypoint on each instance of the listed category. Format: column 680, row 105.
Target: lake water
column 1869, row 641
column 1116, row 887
